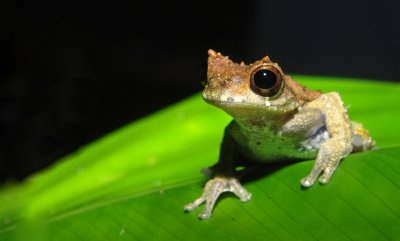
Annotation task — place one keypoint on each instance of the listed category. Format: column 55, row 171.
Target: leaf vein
column 316, row 209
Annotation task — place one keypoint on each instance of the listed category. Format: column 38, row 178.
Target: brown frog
column 275, row 119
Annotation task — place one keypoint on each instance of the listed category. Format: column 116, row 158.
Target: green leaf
column 133, row 183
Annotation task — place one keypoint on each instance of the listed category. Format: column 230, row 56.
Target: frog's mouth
column 223, row 100
column 251, row 103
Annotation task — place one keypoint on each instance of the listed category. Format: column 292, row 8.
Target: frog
column 275, row 119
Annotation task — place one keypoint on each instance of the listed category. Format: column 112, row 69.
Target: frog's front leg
column 339, row 144
column 225, row 180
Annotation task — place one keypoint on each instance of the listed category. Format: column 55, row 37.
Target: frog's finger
column 206, row 213
column 328, row 172
column 213, row 189
column 324, row 179
column 192, row 206
column 239, row 191
column 310, row 179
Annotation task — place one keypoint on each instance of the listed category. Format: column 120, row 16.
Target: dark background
column 72, row 72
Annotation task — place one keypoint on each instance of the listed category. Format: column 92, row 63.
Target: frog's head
column 260, row 88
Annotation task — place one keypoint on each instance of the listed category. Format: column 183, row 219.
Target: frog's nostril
column 203, row 73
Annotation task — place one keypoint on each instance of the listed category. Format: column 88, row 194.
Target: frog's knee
column 361, row 139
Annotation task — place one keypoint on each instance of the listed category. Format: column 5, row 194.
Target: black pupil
column 265, row 79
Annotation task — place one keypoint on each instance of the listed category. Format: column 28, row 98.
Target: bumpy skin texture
column 284, row 122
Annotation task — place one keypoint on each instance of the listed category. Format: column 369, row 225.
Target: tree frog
column 274, row 119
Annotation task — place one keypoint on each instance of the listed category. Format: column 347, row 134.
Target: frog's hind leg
column 361, row 139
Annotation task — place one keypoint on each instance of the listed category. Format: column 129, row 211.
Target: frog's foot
column 326, row 170
column 213, row 189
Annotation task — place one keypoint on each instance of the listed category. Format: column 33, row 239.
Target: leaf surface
column 133, row 183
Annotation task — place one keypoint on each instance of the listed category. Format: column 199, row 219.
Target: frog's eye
column 266, row 81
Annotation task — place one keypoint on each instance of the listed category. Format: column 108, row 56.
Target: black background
column 72, row 72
